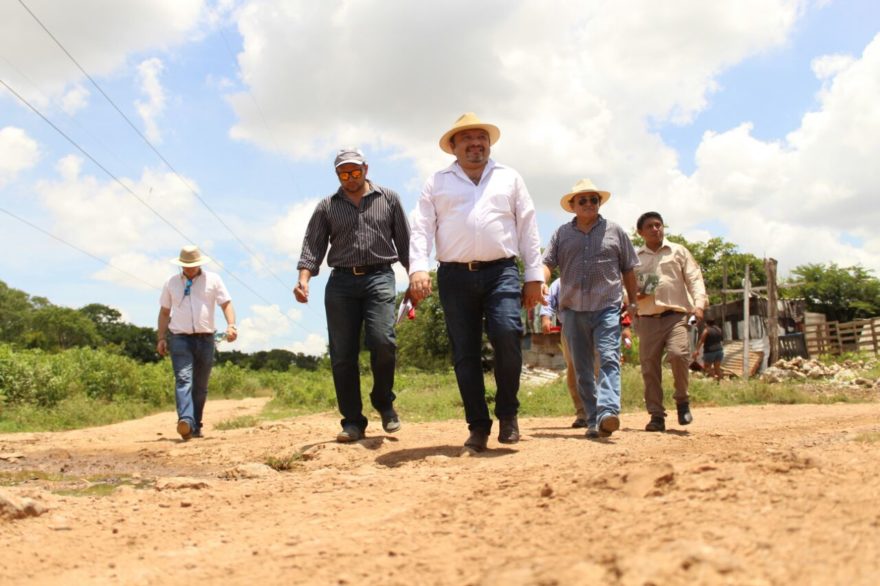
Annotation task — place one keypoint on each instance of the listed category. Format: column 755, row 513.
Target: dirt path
column 747, row 495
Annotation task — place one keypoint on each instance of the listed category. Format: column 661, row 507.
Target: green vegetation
column 284, row 463
column 868, row 437
column 238, row 422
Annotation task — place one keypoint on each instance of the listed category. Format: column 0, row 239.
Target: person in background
column 670, row 290
column 186, row 331
column 479, row 214
column 713, row 351
column 367, row 231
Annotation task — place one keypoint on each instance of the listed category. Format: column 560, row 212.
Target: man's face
column 191, row 272
column 352, row 177
column 586, row 205
column 471, row 147
column 652, row 231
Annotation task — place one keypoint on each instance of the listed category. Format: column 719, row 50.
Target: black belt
column 478, row 265
column 364, row 270
column 200, row 335
column 664, row 314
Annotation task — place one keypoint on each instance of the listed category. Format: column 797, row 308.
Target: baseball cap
column 349, row 155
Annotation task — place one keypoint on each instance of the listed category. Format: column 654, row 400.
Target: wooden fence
column 833, row 337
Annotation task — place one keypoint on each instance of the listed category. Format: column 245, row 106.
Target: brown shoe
column 478, row 440
column 608, row 425
column 184, row 429
column 508, row 432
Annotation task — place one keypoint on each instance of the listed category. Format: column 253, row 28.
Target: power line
column 152, row 147
column 78, row 249
column 125, row 187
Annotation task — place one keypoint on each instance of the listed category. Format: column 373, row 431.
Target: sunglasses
column 186, row 289
column 594, row 199
column 356, row 174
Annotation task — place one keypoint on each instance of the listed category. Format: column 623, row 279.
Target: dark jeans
column 352, row 301
column 191, row 358
column 492, row 294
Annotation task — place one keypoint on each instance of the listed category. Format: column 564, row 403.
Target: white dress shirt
column 193, row 313
column 491, row 220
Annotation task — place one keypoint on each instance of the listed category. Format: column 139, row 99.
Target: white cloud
column 314, row 345
column 105, row 219
column 148, row 74
column 18, row 152
column 267, row 326
column 75, row 99
column 288, row 231
column 136, row 270
column 811, row 197
column 100, row 35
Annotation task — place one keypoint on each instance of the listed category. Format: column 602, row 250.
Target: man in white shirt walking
column 480, row 216
column 186, row 330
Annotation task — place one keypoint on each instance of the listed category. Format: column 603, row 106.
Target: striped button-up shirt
column 591, row 265
column 374, row 233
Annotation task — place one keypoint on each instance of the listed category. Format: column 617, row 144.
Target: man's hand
column 301, row 292
column 231, row 333
column 545, row 324
column 533, row 294
column 162, row 347
column 698, row 312
column 419, row 286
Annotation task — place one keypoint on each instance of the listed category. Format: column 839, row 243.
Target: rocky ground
column 745, row 495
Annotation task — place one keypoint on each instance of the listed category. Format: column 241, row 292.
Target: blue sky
column 757, row 121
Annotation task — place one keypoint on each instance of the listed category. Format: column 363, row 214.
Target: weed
column 284, row 463
column 238, row 422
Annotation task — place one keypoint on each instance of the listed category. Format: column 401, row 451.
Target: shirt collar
column 599, row 221
column 644, row 248
column 371, row 189
column 456, row 168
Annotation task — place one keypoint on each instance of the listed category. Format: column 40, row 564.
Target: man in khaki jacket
column 671, row 290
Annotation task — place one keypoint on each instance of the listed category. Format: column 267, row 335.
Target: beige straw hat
column 190, row 256
column 468, row 121
column 582, row 186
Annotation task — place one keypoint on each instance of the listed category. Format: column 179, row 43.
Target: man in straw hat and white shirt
column 186, row 330
column 596, row 260
column 480, row 216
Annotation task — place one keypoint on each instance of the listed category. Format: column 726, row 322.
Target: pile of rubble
column 849, row 373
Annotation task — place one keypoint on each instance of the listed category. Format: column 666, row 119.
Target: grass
column 238, row 422
column 66, row 485
column 868, row 437
column 284, row 463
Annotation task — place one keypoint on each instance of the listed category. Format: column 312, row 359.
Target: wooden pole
column 772, row 311
column 724, row 299
column 746, row 298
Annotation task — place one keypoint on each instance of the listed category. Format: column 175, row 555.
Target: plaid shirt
column 591, row 265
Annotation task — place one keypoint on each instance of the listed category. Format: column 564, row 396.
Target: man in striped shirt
column 480, row 215
column 367, row 231
column 596, row 260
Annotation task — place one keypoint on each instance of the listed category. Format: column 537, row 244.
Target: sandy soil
column 746, row 495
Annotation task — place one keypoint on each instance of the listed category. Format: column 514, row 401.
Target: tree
column 131, row 340
column 15, row 313
column 424, row 341
column 59, row 328
column 841, row 293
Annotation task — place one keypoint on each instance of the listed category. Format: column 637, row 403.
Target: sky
column 153, row 124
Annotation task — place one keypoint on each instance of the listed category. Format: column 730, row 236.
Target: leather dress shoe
column 579, row 423
column 478, row 440
column 508, row 430
column 390, row 421
column 684, row 413
column 657, row 423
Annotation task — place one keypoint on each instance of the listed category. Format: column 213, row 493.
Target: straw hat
column 190, row 256
column 468, row 121
column 583, row 186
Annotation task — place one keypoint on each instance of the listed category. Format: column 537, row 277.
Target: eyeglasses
column 189, row 284
column 595, row 199
column 356, row 174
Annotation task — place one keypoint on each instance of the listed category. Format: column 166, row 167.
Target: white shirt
column 193, row 313
column 492, row 220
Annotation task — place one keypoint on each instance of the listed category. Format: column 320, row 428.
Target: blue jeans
column 192, row 358
column 587, row 332
column 468, row 297
column 353, row 301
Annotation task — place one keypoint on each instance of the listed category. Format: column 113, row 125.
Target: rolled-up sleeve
column 423, row 226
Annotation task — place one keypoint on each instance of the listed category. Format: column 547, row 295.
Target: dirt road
column 746, row 495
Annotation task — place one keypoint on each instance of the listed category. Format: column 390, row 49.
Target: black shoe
column 592, row 431
column 684, row 413
column 184, row 429
column 508, row 430
column 579, row 423
column 197, row 434
column 608, row 425
column 657, row 423
column 350, row 433
column 478, row 440
column 390, row 421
